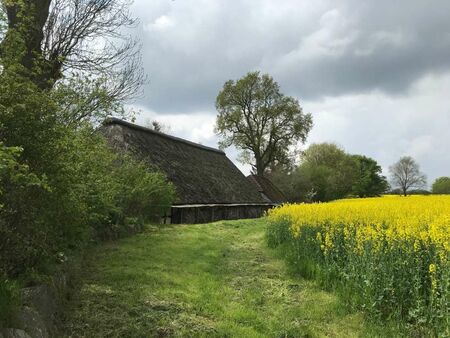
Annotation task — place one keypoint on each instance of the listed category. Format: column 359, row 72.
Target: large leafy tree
column 406, row 174
column 369, row 181
column 441, row 186
column 259, row 120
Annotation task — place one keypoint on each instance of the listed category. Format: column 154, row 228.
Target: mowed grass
column 209, row 280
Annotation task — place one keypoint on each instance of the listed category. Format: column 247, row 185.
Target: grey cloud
column 312, row 48
column 392, row 46
column 375, row 74
column 386, row 128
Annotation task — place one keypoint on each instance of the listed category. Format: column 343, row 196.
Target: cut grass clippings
column 209, row 280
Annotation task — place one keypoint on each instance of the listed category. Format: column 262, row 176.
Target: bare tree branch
column 406, row 174
column 67, row 39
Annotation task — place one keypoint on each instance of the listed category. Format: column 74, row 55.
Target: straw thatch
column 267, row 189
column 201, row 175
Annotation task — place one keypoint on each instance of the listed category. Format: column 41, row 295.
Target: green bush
column 119, row 193
column 20, row 191
column 441, row 186
column 9, row 301
column 61, row 184
column 97, row 194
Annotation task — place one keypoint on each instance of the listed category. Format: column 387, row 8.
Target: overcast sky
column 375, row 75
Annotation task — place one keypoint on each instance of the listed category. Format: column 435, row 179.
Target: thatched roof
column 267, row 189
column 201, row 175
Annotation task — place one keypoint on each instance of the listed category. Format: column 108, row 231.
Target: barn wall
column 206, row 214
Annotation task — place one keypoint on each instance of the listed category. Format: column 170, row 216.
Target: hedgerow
column 61, row 187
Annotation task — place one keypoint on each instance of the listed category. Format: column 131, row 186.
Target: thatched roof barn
column 269, row 191
column 203, row 176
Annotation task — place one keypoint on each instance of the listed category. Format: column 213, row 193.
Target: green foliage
column 368, row 181
column 145, row 195
column 259, row 120
column 441, row 186
column 204, row 280
column 61, row 184
column 28, row 126
column 329, row 171
column 21, row 239
column 84, row 98
column 9, row 301
column 387, row 285
column 326, row 172
column 17, row 246
column 93, row 192
column 122, row 192
column 13, row 175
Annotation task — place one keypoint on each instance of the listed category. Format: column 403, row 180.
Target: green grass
column 210, row 280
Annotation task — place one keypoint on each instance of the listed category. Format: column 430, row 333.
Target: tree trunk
column 259, row 166
column 23, row 40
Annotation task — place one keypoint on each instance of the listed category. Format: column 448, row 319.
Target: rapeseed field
column 388, row 256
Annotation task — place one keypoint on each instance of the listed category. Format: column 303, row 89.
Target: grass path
column 210, row 280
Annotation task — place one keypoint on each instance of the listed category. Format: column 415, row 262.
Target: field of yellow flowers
column 388, row 256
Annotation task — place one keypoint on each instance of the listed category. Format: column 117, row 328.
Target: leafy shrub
column 97, row 193
column 8, row 301
column 119, row 192
column 441, row 186
column 21, row 239
column 61, row 184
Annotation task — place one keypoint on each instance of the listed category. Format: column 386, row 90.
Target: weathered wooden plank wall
column 205, row 214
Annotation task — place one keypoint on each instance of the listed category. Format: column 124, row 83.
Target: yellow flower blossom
column 371, row 234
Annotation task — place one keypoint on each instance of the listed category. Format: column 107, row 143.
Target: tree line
column 326, row 172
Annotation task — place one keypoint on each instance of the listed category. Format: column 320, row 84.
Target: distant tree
column 406, row 174
column 368, row 179
column 325, row 173
column 419, row 192
column 441, row 186
column 260, row 121
column 158, row 126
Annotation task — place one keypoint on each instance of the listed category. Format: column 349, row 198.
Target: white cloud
column 387, row 127
column 162, row 23
column 196, row 127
